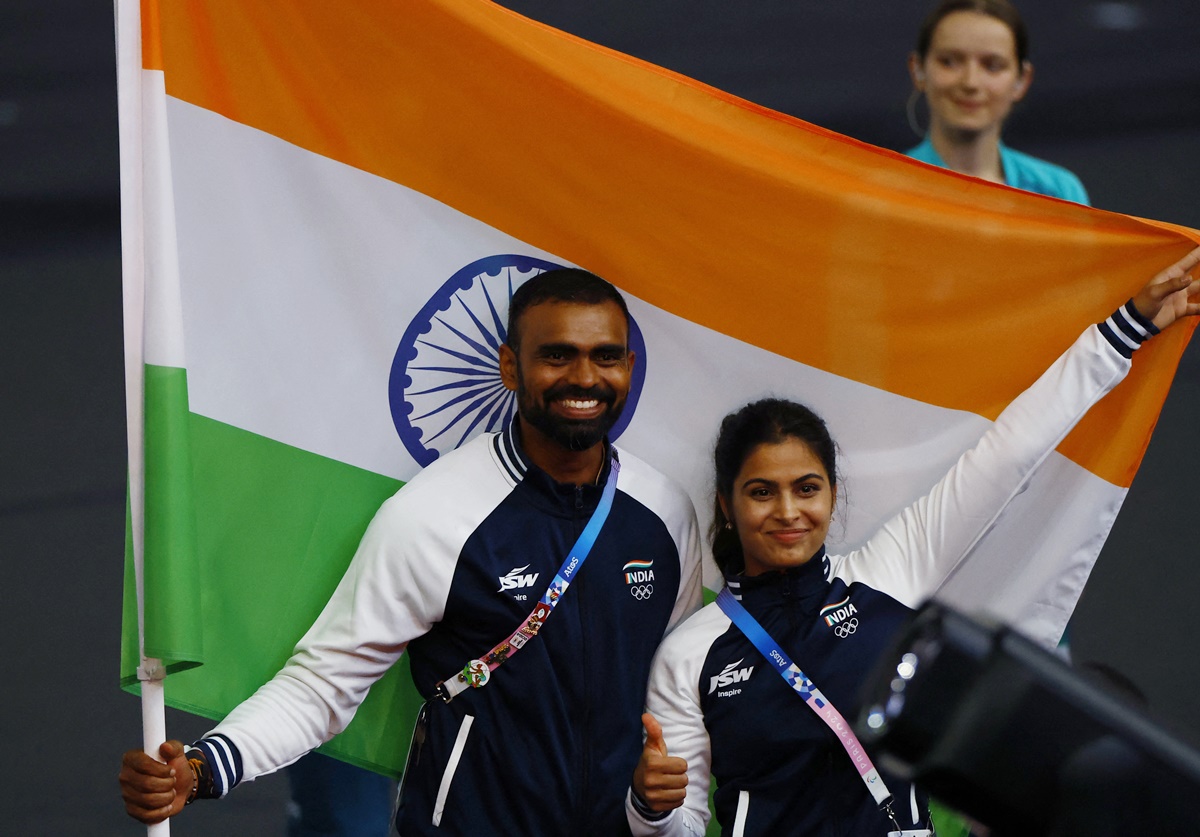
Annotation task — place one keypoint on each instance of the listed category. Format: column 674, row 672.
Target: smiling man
column 569, row 362
column 531, row 723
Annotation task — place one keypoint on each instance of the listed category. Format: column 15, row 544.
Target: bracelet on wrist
column 194, row 764
column 202, row 785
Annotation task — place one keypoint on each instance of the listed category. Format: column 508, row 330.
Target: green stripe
column 171, row 574
column 275, row 528
column 173, row 632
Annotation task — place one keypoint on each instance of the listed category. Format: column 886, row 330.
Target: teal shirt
column 1021, row 171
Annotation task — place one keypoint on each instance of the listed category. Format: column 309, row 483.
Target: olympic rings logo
column 641, row 592
column 844, row 629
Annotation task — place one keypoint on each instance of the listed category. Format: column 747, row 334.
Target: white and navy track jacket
column 779, row 770
column 448, row 568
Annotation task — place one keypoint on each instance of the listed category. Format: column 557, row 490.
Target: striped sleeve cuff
column 224, row 763
column 1127, row 329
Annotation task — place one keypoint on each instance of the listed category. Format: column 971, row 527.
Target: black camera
column 1009, row 734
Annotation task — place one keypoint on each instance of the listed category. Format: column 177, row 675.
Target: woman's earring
column 910, row 110
column 728, row 525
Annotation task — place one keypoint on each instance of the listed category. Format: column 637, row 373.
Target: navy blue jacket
column 792, row 767
column 448, row 568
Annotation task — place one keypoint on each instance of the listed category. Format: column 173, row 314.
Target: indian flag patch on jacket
column 638, row 572
column 836, row 612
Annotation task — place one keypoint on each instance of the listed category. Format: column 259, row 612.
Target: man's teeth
column 576, row 404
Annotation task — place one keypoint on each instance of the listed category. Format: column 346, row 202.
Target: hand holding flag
column 1172, row 294
column 154, row 790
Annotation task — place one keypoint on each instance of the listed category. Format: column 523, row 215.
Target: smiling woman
column 776, row 479
column 714, row 707
column 971, row 64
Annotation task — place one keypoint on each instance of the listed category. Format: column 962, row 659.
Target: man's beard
column 572, row 434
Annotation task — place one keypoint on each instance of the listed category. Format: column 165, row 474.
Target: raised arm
column 919, row 547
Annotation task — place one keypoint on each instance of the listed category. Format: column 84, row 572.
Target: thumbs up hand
column 659, row 780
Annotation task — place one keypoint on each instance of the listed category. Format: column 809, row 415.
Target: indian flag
column 327, row 205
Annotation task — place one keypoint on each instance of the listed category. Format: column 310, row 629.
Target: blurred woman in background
column 971, row 65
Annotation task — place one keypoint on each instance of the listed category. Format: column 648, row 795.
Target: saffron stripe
column 835, row 605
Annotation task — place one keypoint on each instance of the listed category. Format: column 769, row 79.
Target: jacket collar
column 519, row 468
column 803, row 585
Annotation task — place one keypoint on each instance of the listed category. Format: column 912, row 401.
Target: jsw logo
column 729, row 675
column 513, row 579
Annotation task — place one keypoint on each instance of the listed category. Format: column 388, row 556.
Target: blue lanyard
column 806, row 689
column 477, row 672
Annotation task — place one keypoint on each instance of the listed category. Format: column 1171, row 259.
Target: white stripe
column 511, row 466
column 912, row 803
column 739, row 820
column 217, row 764
column 1127, row 317
column 305, row 361
column 1116, row 329
column 460, row 743
column 229, row 761
column 292, row 329
column 1030, row 570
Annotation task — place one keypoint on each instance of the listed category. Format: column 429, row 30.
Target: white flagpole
column 133, row 276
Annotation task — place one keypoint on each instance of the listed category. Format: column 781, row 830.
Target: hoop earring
column 910, row 110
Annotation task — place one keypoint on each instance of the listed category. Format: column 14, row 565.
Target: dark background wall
column 1116, row 99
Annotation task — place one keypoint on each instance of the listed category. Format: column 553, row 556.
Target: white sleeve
column 917, row 549
column 387, row 597
column 691, row 560
column 393, row 592
column 673, row 699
